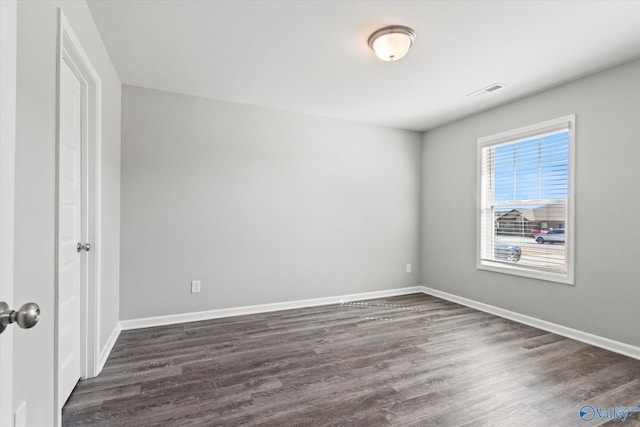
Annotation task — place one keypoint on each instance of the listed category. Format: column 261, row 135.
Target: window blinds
column 524, row 199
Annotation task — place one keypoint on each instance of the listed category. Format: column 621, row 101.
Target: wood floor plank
column 408, row 360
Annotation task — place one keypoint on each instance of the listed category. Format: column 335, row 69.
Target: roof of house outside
column 550, row 212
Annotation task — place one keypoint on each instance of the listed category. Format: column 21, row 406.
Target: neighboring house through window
column 525, row 216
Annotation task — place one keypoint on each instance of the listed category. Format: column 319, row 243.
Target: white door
column 69, row 233
column 8, row 31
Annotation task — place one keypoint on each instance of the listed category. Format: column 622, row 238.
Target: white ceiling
column 312, row 56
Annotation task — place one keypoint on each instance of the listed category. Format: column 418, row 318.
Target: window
column 525, row 215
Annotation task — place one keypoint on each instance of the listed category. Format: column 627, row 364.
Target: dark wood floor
column 411, row 360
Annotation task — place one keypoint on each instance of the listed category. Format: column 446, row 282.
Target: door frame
column 8, row 87
column 70, row 50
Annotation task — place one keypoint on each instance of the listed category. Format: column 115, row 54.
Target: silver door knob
column 83, row 247
column 26, row 317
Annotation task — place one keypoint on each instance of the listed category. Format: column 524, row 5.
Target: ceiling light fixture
column 392, row 43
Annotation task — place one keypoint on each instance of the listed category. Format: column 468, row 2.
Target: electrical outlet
column 20, row 416
column 408, row 269
column 195, row 286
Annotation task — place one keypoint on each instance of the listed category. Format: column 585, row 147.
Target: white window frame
column 566, row 122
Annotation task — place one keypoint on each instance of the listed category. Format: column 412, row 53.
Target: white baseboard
column 575, row 334
column 172, row 319
column 585, row 337
column 106, row 350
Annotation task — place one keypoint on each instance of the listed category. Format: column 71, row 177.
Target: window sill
column 515, row 270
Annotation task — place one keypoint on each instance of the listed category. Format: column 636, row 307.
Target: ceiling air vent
column 485, row 90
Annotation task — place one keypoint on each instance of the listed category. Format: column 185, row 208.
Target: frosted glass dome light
column 392, row 43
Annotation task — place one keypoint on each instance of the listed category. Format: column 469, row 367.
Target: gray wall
column 604, row 300
column 35, row 191
column 261, row 205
